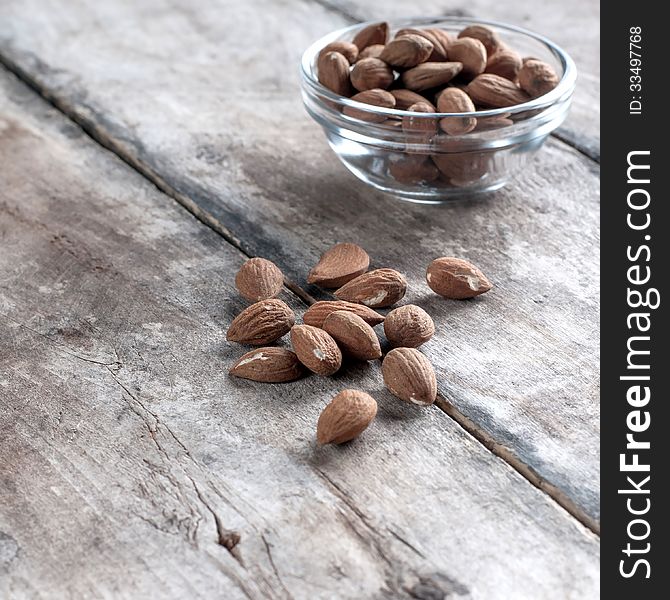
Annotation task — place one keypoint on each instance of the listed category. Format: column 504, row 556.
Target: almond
column 259, row 279
column 339, row 264
column 346, row 417
column 463, row 168
column 316, row 349
column 408, row 326
column 439, row 53
column 373, row 51
column 456, row 278
column 316, row 314
column 376, row 33
column 537, row 78
column 454, row 100
column 346, row 49
column 429, row 75
column 268, row 365
column 505, row 63
column 374, row 98
column 420, row 129
column 485, row 35
column 407, row 51
column 371, row 73
column 413, row 168
column 405, row 98
column 489, row 123
column 444, row 37
column 356, row 338
column 471, row 52
column 334, row 73
column 495, row 91
column 261, row 323
column 409, row 375
column 376, row 289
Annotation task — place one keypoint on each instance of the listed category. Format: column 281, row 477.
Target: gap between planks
column 99, row 136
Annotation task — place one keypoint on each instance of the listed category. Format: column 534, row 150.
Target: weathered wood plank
column 127, row 453
column 572, row 24
column 233, row 143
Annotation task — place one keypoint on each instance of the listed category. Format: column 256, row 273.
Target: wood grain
column 232, row 144
column 132, row 466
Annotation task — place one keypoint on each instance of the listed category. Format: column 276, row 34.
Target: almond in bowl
column 472, row 99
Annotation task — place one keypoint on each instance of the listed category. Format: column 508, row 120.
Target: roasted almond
column 376, row 289
column 537, row 78
column 407, row 51
column 316, row 314
column 268, row 365
column 339, row 264
column 346, row 417
column 374, row 98
column 334, row 73
column 259, row 279
column 371, row 73
column 316, row 349
column 439, row 52
column 354, row 336
column 346, row 49
column 504, row 62
column 408, row 326
column 405, row 98
column 373, row 51
column 376, row 33
column 455, row 100
column 261, row 323
column 409, row 375
column 456, row 278
column 471, row 53
column 495, row 91
column 485, row 35
column 413, row 168
column 429, row 75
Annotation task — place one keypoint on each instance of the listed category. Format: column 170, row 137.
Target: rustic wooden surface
column 127, row 453
column 121, row 426
column 233, row 144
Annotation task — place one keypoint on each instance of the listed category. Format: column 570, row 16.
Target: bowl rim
column 565, row 85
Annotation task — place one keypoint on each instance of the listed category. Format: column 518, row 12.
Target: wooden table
column 146, row 149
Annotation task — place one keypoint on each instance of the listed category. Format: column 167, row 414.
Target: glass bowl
column 435, row 167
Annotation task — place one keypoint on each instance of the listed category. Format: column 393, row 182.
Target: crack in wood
column 274, row 566
column 227, row 538
column 63, row 347
column 525, row 470
column 402, row 540
column 362, row 518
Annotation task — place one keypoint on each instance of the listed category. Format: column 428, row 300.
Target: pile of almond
column 333, row 330
column 428, row 71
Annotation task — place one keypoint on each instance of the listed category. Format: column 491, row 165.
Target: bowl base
column 438, row 195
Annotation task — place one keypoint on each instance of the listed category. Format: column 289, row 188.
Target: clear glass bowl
column 434, row 168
